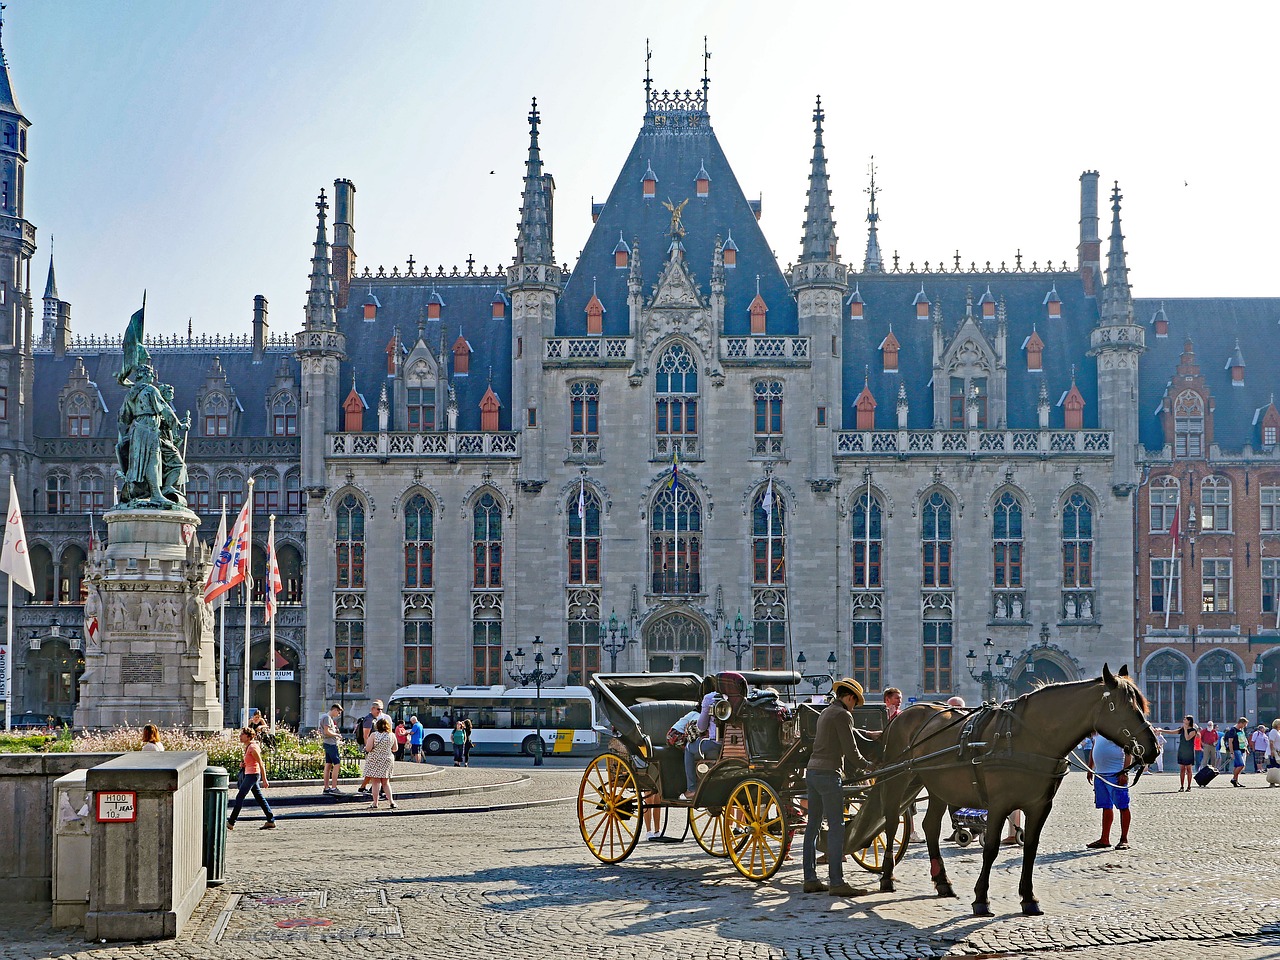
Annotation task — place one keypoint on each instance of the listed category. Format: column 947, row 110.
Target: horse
column 1001, row 758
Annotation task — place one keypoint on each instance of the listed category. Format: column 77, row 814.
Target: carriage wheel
column 708, row 830
column 755, row 825
column 609, row 808
column 871, row 857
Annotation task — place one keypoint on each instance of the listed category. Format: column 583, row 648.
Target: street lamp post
column 343, row 678
column 738, row 639
column 613, row 640
column 1245, row 682
column 537, row 676
column 996, row 674
column 817, row 679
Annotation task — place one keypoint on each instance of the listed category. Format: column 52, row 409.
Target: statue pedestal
column 151, row 659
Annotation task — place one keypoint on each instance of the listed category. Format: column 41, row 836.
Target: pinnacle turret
column 51, row 284
column 1117, row 298
column 8, row 101
column 873, row 262
column 320, row 307
column 819, row 241
column 533, row 242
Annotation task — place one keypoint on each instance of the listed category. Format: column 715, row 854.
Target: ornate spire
column 1117, row 298
column 873, row 262
column 533, row 243
column 320, row 311
column 8, row 102
column 819, row 241
column 51, row 285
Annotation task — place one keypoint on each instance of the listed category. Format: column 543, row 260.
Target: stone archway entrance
column 288, row 681
column 1036, row 672
column 1269, row 689
column 678, row 641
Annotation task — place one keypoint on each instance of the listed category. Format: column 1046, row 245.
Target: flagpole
column 866, row 542
column 8, row 662
column 222, row 623
column 1173, row 550
column 248, row 600
column 271, row 621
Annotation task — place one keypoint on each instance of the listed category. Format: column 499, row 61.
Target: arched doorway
column 288, row 681
column 1037, row 671
column 53, row 679
column 677, row 641
column 1269, row 688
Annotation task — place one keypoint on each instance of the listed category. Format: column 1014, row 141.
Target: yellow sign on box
column 564, row 741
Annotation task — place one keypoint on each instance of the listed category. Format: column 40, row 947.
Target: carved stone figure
column 119, row 613
column 1016, row 607
column 1002, row 612
column 1071, row 608
column 92, row 611
column 173, row 467
column 199, row 621
column 1086, row 608
column 146, row 612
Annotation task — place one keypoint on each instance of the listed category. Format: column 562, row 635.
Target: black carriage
column 752, row 796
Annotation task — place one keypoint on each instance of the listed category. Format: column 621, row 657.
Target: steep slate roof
column 890, row 298
column 676, row 159
column 468, row 303
column 185, row 368
column 1213, row 324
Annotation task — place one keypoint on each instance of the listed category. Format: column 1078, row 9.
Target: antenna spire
column 873, row 262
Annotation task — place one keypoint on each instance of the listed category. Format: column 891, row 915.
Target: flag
column 582, row 499
column 14, row 559
column 93, row 545
column 219, row 541
column 767, row 504
column 92, row 629
column 1175, row 528
column 674, row 481
column 274, row 583
column 229, row 566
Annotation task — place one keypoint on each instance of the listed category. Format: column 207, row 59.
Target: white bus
column 502, row 721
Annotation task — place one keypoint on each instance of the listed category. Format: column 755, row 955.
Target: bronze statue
column 677, row 228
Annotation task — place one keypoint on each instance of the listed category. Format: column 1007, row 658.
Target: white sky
column 179, row 146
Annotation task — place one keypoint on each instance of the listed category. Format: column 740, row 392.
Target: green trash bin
column 216, row 780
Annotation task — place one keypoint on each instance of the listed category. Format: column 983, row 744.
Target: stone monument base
column 149, row 654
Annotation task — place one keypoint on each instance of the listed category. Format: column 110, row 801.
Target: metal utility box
column 71, row 850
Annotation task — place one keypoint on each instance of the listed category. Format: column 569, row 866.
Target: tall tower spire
column 819, row 241
column 320, row 307
column 1117, row 298
column 873, row 262
column 50, row 322
column 8, row 102
column 533, row 243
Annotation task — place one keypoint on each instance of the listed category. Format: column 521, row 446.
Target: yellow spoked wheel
column 609, row 808
column 708, row 830
column 755, row 829
column 872, row 856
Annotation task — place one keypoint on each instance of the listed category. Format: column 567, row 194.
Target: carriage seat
column 656, row 717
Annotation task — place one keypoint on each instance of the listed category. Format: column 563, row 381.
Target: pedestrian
column 835, row 753
column 257, row 723
column 1258, row 743
column 253, row 779
column 1198, row 750
column 363, row 729
column 467, row 743
column 1236, row 742
column 1209, row 738
column 331, row 741
column 652, row 816
column 1273, row 751
column 1187, row 737
column 402, row 739
column 892, row 702
column 1110, row 789
column 151, row 738
column 416, row 734
column 380, row 747
column 459, row 743
column 1086, row 750
column 707, row 744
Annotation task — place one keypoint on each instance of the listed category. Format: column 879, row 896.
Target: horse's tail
column 869, row 821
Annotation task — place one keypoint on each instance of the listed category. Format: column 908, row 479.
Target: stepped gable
column 185, row 364
column 889, row 299
column 1213, row 324
column 468, row 304
column 676, row 153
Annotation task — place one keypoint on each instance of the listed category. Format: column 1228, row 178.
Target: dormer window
column 217, row 416
column 353, row 409
column 489, row 407
column 434, row 305
column 371, row 305
column 1161, row 322
column 922, row 305
column 730, row 252
column 1235, row 364
column 856, row 304
column 1053, row 303
column 621, row 254
column 1072, row 403
column 866, row 408
column 758, row 310
column 649, row 182
column 284, row 416
column 498, row 305
column 79, row 416
column 461, row 356
column 1034, row 347
column 702, row 182
column 889, row 347
column 595, row 316
column 988, row 305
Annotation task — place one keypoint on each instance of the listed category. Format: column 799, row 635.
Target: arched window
column 677, row 393
column 868, row 542
column 350, row 543
column 935, row 531
column 42, row 573
column 420, row 394
column 1188, row 425
column 1165, row 499
column 1006, row 537
column 57, row 488
column 284, row 416
column 1077, row 542
column 768, row 395
column 198, row 492
column 1215, row 505
column 79, row 416
column 768, row 538
column 676, row 544
column 583, row 510
column 71, row 576
column 1166, row 676
column 92, row 494
column 419, row 536
column 290, row 561
column 487, row 543
column 292, row 492
column 1217, row 688
column 584, row 409
column 10, row 135
column 266, row 493
column 217, row 416
column 230, row 486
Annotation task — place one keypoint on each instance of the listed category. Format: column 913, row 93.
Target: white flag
column 582, row 500
column 14, row 559
column 767, row 504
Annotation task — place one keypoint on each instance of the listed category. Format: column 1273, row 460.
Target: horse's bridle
column 1133, row 746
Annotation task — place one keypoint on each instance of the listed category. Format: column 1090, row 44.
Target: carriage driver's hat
column 847, row 687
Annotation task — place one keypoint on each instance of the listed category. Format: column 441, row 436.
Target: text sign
column 121, row 807
column 266, row 674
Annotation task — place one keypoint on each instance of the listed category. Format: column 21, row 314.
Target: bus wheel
column 529, row 746
column 433, row 745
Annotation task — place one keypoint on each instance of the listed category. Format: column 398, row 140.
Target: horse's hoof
column 887, row 885
column 945, row 890
column 981, row 909
column 1031, row 908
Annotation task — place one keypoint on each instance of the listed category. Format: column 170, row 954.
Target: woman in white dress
column 380, row 744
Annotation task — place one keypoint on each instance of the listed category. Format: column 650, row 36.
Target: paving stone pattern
column 1201, row 880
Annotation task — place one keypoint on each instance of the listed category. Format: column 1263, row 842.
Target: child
column 459, row 743
column 253, row 777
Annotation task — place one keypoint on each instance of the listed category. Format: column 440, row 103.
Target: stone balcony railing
column 777, row 349
column 489, row 444
column 199, row 449
column 932, row 443
column 595, row 350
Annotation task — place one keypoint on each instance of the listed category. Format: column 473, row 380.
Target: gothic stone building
column 679, row 443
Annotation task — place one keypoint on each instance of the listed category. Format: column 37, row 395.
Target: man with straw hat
column 835, row 752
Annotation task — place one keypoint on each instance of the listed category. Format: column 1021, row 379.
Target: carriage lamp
column 537, row 676
column 613, row 640
column 738, row 638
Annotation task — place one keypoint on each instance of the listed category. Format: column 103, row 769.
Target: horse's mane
column 1126, row 684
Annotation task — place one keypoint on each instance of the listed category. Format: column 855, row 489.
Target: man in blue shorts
column 1110, row 789
column 415, row 740
column 331, row 738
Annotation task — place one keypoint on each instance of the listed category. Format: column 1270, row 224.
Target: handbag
column 682, row 738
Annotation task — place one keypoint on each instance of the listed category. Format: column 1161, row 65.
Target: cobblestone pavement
column 1201, row 880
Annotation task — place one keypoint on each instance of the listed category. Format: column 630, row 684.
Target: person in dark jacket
column 835, row 754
